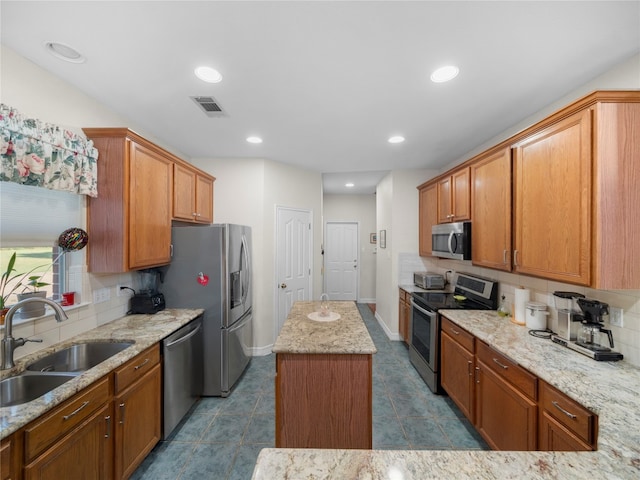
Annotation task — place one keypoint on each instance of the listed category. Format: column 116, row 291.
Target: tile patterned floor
column 221, row 437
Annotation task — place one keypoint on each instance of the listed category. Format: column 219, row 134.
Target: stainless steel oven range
column 470, row 293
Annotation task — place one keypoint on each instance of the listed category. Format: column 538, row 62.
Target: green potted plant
column 10, row 282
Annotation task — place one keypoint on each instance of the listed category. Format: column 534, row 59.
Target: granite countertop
column 347, row 335
column 612, row 390
column 414, row 288
column 143, row 330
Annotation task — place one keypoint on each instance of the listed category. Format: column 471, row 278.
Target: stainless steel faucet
column 9, row 344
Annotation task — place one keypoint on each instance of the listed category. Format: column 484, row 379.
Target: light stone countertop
column 144, row 330
column 347, row 335
column 610, row 389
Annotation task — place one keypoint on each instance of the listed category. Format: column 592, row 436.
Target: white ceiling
column 326, row 83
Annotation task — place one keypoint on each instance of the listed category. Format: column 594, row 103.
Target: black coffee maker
column 593, row 339
column 148, row 299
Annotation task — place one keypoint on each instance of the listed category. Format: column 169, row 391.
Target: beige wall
column 397, row 213
column 360, row 209
column 35, row 92
column 247, row 192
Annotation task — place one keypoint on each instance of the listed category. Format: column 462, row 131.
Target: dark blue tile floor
column 221, row 437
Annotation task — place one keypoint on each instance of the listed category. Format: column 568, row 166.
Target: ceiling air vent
column 209, row 105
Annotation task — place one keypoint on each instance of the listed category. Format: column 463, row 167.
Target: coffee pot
column 592, row 333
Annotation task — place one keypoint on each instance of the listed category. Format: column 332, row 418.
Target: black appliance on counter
column 470, row 293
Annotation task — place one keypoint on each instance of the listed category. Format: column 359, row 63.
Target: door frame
column 324, row 276
column 276, row 300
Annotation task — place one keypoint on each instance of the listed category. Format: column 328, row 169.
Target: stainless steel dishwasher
column 182, row 353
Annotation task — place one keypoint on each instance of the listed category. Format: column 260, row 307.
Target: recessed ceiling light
column 396, row 139
column 64, row 52
column 444, row 74
column 349, row 185
column 208, row 74
column 254, row 140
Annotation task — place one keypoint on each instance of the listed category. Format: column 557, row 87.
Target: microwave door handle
column 451, row 247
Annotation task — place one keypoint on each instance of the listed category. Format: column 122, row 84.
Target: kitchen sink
column 78, row 357
column 29, row 386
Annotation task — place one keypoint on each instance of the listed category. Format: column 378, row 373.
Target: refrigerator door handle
column 247, row 270
column 240, row 323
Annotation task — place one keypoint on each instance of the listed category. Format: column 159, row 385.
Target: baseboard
column 261, row 351
column 389, row 333
column 367, row 300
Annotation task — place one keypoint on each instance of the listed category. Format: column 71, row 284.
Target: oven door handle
column 413, row 304
column 426, row 312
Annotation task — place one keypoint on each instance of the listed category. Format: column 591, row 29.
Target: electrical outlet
column 615, row 316
column 101, row 295
column 124, row 290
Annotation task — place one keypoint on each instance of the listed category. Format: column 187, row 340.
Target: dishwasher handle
column 184, row 338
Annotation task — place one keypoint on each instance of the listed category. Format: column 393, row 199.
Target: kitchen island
column 324, row 379
column 610, row 390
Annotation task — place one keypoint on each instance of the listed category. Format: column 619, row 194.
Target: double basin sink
column 51, row 371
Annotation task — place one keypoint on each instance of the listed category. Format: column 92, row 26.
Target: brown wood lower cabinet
column 505, row 417
column 509, row 406
column 457, row 367
column 137, row 410
column 323, row 401
column 404, row 315
column 85, row 452
column 104, row 431
column 564, row 424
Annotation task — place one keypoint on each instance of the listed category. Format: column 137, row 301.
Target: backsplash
column 84, row 316
column 627, row 338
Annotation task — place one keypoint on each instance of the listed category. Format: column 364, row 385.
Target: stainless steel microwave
column 451, row 240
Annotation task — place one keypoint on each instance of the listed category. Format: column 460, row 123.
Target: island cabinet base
column 324, row 401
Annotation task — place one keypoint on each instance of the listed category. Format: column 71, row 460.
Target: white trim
column 261, row 351
column 366, row 300
column 389, row 333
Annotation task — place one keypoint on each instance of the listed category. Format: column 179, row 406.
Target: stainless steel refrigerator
column 211, row 269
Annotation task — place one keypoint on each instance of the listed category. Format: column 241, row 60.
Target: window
column 37, row 262
column 31, row 219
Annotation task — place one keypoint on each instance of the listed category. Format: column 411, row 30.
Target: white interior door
column 341, row 260
column 293, row 259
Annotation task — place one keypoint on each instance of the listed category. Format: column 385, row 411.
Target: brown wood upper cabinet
column 491, row 203
column 428, row 216
column 129, row 223
column 192, row 194
column 552, row 171
column 454, row 202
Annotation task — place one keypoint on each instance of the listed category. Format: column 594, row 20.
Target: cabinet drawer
column 569, row 413
column 460, row 335
column 136, row 368
column 67, row 416
column 506, row 368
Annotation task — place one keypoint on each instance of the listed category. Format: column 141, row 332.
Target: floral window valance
column 45, row 155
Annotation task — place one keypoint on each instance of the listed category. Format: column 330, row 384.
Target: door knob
column 283, row 285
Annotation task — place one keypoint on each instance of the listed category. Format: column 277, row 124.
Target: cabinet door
column 457, row 369
column 184, row 187
column 138, row 418
column 428, row 213
column 402, row 316
column 86, row 452
column 151, row 179
column 553, row 202
column 505, row 417
column 444, row 201
column 491, row 194
column 556, row 437
column 461, row 195
column 204, row 199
